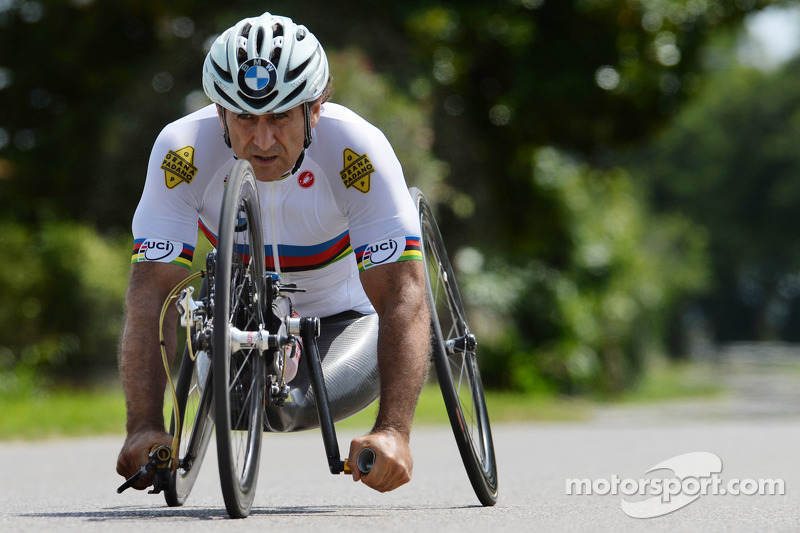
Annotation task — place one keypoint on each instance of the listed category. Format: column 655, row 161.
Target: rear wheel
column 239, row 375
column 456, row 362
column 194, row 394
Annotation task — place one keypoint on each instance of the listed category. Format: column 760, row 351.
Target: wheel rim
column 471, row 425
column 461, row 362
column 238, row 376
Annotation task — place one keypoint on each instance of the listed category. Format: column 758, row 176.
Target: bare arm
column 397, row 291
column 140, row 363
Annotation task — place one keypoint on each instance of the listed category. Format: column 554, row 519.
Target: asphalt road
column 69, row 485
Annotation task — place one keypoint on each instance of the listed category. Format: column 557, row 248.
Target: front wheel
column 238, row 375
column 455, row 360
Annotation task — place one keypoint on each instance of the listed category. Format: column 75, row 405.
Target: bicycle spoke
column 196, row 426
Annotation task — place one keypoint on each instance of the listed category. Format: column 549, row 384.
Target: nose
column 263, row 134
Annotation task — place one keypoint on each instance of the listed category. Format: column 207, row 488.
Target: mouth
column 265, row 160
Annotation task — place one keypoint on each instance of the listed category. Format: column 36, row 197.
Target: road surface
column 69, row 485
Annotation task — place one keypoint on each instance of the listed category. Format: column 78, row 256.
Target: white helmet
column 265, row 64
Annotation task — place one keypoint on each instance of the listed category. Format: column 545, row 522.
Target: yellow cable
column 176, row 414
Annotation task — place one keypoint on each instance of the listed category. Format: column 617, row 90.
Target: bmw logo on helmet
column 257, row 77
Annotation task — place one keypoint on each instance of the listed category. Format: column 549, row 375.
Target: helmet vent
column 241, row 51
column 292, row 74
column 241, row 55
column 293, row 94
column 224, row 96
column 260, row 41
column 221, row 72
column 257, row 103
column 277, row 46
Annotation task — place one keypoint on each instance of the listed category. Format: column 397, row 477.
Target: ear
column 314, row 112
column 221, row 115
column 223, row 125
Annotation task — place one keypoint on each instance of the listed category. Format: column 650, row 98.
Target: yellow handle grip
column 365, row 462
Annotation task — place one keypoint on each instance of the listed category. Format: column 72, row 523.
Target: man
column 269, row 81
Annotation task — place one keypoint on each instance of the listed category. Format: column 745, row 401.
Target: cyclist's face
column 272, row 142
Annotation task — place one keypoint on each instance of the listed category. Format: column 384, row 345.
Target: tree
column 501, row 80
column 730, row 162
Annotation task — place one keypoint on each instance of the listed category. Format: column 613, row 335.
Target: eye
column 280, row 116
column 244, row 116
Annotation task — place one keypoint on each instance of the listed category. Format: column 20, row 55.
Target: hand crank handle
column 160, row 457
column 365, row 461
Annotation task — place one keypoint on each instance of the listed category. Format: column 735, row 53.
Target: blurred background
column 617, row 180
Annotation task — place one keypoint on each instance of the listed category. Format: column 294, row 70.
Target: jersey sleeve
column 165, row 223
column 371, row 188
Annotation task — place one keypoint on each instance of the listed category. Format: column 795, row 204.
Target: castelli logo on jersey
column 306, row 179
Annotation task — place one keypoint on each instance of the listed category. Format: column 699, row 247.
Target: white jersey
column 346, row 209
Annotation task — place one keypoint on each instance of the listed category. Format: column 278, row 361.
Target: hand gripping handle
column 160, row 458
column 365, row 461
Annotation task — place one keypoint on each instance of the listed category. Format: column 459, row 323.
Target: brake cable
column 163, row 345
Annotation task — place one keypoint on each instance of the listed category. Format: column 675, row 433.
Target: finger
column 393, row 474
column 144, row 481
column 382, row 476
column 389, row 481
column 352, row 459
column 125, row 466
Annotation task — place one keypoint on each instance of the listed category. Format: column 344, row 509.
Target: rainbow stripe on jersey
column 295, row 258
column 388, row 251
column 162, row 251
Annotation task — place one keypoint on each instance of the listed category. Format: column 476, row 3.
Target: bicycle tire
column 238, row 376
column 455, row 360
column 193, row 392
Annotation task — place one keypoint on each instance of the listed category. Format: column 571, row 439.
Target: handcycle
column 239, row 332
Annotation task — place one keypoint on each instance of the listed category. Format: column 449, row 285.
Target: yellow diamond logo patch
column 178, row 166
column 356, row 171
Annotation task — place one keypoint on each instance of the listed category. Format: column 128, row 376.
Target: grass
column 674, row 381
column 502, row 406
column 63, row 413
column 98, row 411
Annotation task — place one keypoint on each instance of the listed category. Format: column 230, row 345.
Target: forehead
column 229, row 113
column 293, row 111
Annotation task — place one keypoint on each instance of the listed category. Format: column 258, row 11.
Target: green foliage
column 583, row 275
column 62, row 412
column 61, row 300
column 588, row 324
column 67, row 282
column 730, row 163
column 407, row 125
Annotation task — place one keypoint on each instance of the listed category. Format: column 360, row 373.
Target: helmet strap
column 307, row 116
column 225, row 134
column 307, row 140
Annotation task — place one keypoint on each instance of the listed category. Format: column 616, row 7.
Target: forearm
column 140, row 362
column 403, row 355
column 142, row 372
